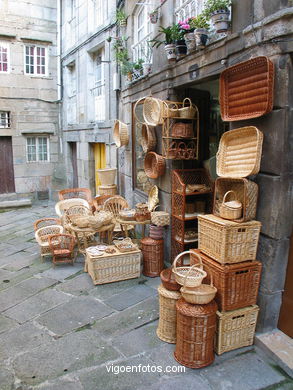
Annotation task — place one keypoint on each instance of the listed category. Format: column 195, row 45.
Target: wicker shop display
column 246, row 89
column 183, row 274
column 127, row 215
column 43, row 222
column 200, row 295
column 168, row 280
column 107, row 176
column 154, row 165
column 142, row 212
column 153, row 256
column 230, row 209
column 196, row 326
column 240, row 152
column 42, row 236
column 120, row 133
column 125, row 245
column 152, row 111
column 62, row 248
column 182, row 130
column 166, row 330
column 148, row 138
column 188, row 110
column 235, row 329
column 169, row 109
column 108, row 190
column 160, row 218
column 153, row 198
column 237, row 284
column 73, row 193
column 227, row 241
column 246, row 192
column 156, row 232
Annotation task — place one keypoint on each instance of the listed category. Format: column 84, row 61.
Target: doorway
column 6, row 166
column 100, row 160
column 73, row 154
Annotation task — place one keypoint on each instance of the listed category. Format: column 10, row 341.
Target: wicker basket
column 160, row 218
column 108, row 190
column 194, row 277
column 170, row 109
column 120, row 134
column 201, row 295
column 138, row 111
column 154, row 165
column 182, row 130
column 153, row 256
column 246, row 192
column 152, row 111
column 168, row 280
column 239, row 152
column 153, row 198
column 167, row 321
column 188, row 112
column 227, row 241
column 148, row 138
column 235, row 329
column 246, row 89
column 237, row 284
column 125, row 245
column 127, row 215
column 107, row 176
column 230, row 209
column 196, row 326
column 142, row 212
column 156, row 232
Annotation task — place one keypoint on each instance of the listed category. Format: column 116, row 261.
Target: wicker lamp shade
column 153, row 256
column 167, row 322
column 154, row 165
column 196, row 327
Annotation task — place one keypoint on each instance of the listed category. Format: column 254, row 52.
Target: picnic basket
column 230, row 209
column 188, row 110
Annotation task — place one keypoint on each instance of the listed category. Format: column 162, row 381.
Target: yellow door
column 100, row 160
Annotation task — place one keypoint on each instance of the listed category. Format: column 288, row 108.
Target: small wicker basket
column 148, row 140
column 230, row 209
column 152, row 111
column 182, row 130
column 168, row 280
column 170, row 109
column 154, row 165
column 160, row 218
column 194, row 277
column 153, row 198
column 120, row 134
column 189, row 111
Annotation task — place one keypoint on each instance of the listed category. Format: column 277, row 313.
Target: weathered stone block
column 274, row 257
column 242, row 12
column 268, row 316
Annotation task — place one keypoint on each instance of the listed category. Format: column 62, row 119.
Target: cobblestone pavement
column 60, row 332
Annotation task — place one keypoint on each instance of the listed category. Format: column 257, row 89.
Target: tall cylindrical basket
column 153, row 256
column 167, row 322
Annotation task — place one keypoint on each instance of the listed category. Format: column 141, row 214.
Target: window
column 4, row 57
column 99, row 89
column 142, row 28
column 187, row 8
column 101, row 11
column 37, row 149
column 4, row 119
column 36, row 60
column 71, row 92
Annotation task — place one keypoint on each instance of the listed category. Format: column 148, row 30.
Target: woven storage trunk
column 110, row 268
column 235, row 329
column 196, row 326
column 167, row 321
column 246, row 89
column 227, row 241
column 108, row 190
column 246, row 192
column 237, row 284
column 153, row 256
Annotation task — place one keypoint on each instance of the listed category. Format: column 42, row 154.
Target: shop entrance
column 6, row 166
column 99, row 150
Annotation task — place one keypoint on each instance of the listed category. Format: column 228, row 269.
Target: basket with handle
column 195, row 276
column 154, row 165
column 189, row 111
column 120, row 133
column 230, row 209
column 168, row 279
column 160, row 218
column 200, row 295
column 148, row 138
column 170, row 109
column 152, row 111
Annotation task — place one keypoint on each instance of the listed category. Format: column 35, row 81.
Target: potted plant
column 188, row 33
column 218, row 12
column 137, row 68
column 154, row 16
column 201, row 28
column 181, row 48
column 120, row 49
column 169, row 41
column 127, row 69
column 121, row 18
column 147, row 54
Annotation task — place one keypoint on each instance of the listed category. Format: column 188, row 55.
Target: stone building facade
column 258, row 28
column 88, row 99
column 29, row 107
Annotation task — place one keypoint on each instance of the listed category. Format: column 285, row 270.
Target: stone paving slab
column 130, row 297
column 6, row 379
column 6, row 324
column 14, row 295
column 69, row 353
column 190, row 381
column 79, row 285
column 74, row 314
column 20, row 260
column 37, row 305
column 64, row 383
column 62, row 272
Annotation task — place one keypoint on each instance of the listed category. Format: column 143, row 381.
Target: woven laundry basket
column 153, row 256
column 166, row 330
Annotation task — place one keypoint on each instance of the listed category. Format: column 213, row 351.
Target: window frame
column 35, row 60
column 38, row 160
column 139, row 45
column 7, row 119
column 195, row 7
column 4, row 45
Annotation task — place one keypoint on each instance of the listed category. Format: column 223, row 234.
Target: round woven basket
column 154, row 165
column 138, row 111
column 168, row 280
column 160, row 218
column 120, row 134
column 189, row 111
column 183, row 274
column 152, row 111
column 230, row 209
column 170, row 109
column 148, row 138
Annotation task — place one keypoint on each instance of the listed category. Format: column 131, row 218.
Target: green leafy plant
column 126, row 67
column 120, row 16
column 138, row 64
column 211, row 6
column 120, row 50
column 170, row 32
column 199, row 21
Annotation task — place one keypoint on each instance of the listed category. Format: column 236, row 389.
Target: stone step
column 8, row 196
column 8, row 204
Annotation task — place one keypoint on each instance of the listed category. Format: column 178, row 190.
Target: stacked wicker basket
column 228, row 239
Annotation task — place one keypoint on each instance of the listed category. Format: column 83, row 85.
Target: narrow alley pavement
column 60, row 332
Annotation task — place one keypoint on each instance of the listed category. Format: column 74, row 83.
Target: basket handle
column 188, row 272
column 185, row 253
column 227, row 193
column 189, row 101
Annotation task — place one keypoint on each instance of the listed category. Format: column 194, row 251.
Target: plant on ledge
column 201, row 28
column 171, row 33
column 121, row 17
column 137, row 68
column 218, row 12
column 120, row 49
column 127, row 69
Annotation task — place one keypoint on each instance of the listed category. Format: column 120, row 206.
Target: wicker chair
column 42, row 236
column 64, row 205
column 46, row 222
column 115, row 204
column 98, row 201
column 62, row 248
column 83, row 193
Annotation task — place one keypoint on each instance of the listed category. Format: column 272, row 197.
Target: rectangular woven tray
column 246, row 89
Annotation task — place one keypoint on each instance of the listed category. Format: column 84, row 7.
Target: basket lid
column 151, row 241
column 227, row 222
column 192, row 310
column 168, row 293
column 239, row 152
